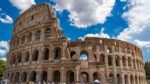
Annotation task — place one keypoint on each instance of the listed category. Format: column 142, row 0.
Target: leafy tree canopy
column 2, row 67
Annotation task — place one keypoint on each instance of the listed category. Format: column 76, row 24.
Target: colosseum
column 38, row 52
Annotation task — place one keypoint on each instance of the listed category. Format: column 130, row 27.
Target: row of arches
column 125, row 79
column 56, row 76
column 125, row 61
column 31, row 36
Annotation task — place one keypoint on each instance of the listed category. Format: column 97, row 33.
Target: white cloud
column 4, row 59
column 142, row 44
column 100, row 35
column 4, row 18
column 85, row 13
column 23, row 4
column 4, row 48
column 7, row 19
column 138, row 18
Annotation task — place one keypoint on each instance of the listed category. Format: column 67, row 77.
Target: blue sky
column 126, row 20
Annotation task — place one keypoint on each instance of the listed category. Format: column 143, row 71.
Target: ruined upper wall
column 38, row 14
column 112, row 45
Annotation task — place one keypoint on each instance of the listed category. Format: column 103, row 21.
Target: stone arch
column 17, row 77
column 110, row 60
column 27, row 56
column 126, row 79
column 46, row 54
column 33, row 76
column 117, row 59
column 70, row 76
column 24, row 77
column 11, row 77
column 22, row 39
column 84, row 77
column 19, row 57
column 109, row 50
column 131, row 79
column 96, row 76
column 35, row 55
column 47, row 33
column 118, row 79
column 57, row 53
column 111, row 78
column 56, row 76
column 84, row 54
column 38, row 35
column 129, row 61
column 102, row 58
column 124, row 61
column 136, row 79
column 73, row 55
column 44, row 75
column 29, row 37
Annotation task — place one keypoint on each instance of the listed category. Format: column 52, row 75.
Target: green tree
column 2, row 67
column 147, row 69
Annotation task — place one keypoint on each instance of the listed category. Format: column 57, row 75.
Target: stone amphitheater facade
column 39, row 52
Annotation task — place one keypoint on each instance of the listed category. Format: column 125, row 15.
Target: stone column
column 41, row 53
column 51, row 53
column 42, row 34
column 38, row 75
column 77, row 74
column 30, row 55
column 122, row 76
column 28, row 76
column 33, row 36
column 50, row 74
column 129, row 81
column 63, row 53
column 62, row 75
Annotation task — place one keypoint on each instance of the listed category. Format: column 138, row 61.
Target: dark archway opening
column 58, row 53
column 46, row 54
column 84, row 77
column 56, row 77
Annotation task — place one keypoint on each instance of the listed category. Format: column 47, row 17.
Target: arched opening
column 47, row 33
column 26, row 56
column 33, row 76
column 70, row 77
column 129, row 62
column 38, row 35
column 109, row 50
column 111, row 78
column 24, row 77
column 102, row 58
column 84, row 77
column 123, row 61
column 73, row 55
column 19, row 57
column 96, row 76
column 117, row 60
column 22, row 39
column 44, row 76
column 125, row 79
column 57, row 53
column 56, row 77
column 83, row 55
column 109, row 60
column 131, row 79
column 118, row 79
column 46, row 54
column 29, row 37
column 17, row 77
column 35, row 55
column 11, row 77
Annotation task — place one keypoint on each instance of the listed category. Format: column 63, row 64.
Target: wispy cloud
column 4, row 18
column 22, row 4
